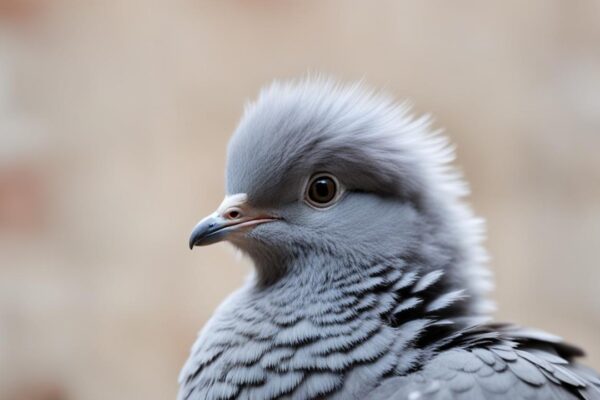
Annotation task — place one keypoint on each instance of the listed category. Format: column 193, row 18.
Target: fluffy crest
column 314, row 122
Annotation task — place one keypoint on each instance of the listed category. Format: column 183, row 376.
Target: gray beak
column 209, row 230
column 233, row 217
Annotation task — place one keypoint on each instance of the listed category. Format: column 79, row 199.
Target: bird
column 369, row 278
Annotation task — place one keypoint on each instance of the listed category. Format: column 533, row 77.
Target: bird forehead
column 265, row 176
column 276, row 143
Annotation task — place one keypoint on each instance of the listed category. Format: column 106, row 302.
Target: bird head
column 330, row 175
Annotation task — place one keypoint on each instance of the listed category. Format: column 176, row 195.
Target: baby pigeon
column 369, row 277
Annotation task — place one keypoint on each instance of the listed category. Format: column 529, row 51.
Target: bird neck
column 396, row 291
column 446, row 247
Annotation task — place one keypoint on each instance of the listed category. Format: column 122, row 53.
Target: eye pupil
column 322, row 190
column 234, row 214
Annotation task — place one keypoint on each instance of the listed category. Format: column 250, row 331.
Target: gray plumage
column 379, row 295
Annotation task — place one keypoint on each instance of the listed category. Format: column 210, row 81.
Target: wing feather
column 489, row 374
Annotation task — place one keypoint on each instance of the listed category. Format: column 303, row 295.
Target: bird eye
column 322, row 190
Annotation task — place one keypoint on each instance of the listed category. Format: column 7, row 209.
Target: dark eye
column 322, row 190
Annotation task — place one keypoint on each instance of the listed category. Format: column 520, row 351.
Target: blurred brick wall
column 114, row 118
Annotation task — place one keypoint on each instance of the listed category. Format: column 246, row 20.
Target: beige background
column 114, row 116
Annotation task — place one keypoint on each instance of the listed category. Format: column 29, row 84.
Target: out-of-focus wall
column 114, row 117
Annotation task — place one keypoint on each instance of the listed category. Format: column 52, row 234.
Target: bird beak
column 233, row 216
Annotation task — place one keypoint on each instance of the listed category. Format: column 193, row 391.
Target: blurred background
column 114, row 117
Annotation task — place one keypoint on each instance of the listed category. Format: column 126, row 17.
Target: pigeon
column 370, row 280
